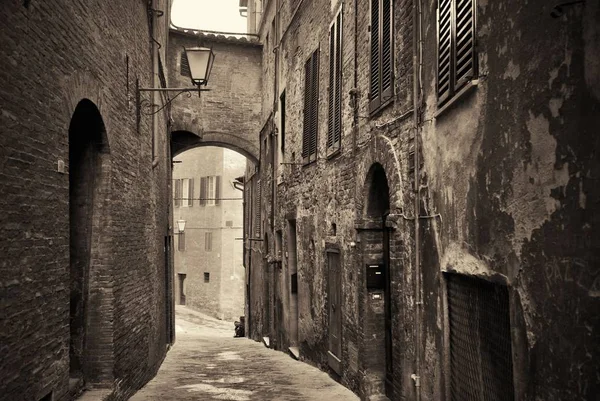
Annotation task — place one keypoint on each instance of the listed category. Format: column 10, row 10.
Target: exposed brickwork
column 54, row 55
column 505, row 187
column 228, row 115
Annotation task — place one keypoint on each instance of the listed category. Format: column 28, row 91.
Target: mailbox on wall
column 375, row 277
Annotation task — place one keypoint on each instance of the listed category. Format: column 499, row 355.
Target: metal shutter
column 464, row 48
column 314, row 125
column 307, row 109
column 331, row 91
column 386, row 50
column 338, row 83
column 217, row 190
column 375, row 89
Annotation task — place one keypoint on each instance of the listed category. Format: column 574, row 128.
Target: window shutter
column 464, row 49
column 332, row 89
column 337, row 137
column 374, row 91
column 444, row 49
column 177, row 192
column 185, row 65
column 257, row 210
column 307, row 109
column 191, row 192
column 314, row 126
column 203, row 191
column 386, row 50
column 217, row 190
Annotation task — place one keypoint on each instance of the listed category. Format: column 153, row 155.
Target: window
column 183, row 189
column 381, row 89
column 184, row 66
column 479, row 340
column 457, row 62
column 311, row 108
column 181, row 241
column 210, row 190
column 208, row 241
column 206, row 277
column 334, row 128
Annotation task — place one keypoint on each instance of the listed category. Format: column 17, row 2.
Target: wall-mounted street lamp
column 200, row 60
column 181, row 226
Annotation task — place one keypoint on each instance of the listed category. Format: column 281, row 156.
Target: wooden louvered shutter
column 332, row 89
column 191, row 192
column 337, row 137
column 257, row 209
column 307, row 110
column 314, row 125
column 217, row 190
column 177, row 192
column 386, row 51
column 203, row 191
column 464, row 43
column 444, row 49
column 375, row 88
column 185, row 65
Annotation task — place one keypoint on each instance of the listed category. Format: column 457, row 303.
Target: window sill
column 375, row 113
column 309, row 163
column 457, row 97
column 334, row 153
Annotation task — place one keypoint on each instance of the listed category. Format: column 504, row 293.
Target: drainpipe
column 417, row 60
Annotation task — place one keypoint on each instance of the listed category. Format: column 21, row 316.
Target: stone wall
column 505, row 190
column 55, row 57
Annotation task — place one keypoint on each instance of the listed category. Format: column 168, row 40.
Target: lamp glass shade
column 200, row 60
column 181, row 225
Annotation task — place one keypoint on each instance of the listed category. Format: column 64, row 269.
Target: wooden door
column 334, row 296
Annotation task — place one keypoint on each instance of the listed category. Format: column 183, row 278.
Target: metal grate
column 480, row 345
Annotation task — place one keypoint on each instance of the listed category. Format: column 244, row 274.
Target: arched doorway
column 87, row 141
column 375, row 237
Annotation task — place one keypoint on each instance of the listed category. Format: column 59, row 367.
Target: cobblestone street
column 207, row 363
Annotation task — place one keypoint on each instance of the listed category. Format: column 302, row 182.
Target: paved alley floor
column 207, row 363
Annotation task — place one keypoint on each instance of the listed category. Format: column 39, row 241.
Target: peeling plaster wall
column 512, row 168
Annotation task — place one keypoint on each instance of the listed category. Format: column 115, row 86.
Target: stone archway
column 186, row 140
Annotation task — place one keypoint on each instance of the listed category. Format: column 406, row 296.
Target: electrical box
column 375, row 277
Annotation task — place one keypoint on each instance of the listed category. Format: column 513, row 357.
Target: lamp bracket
column 146, row 103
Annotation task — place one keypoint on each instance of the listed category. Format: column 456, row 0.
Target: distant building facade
column 209, row 273
column 424, row 218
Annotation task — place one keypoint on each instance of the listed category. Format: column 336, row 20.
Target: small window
column 382, row 55
column 311, row 108
column 208, row 241
column 206, row 277
column 457, row 61
column 210, row 190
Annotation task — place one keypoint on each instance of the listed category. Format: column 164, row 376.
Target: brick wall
column 56, row 54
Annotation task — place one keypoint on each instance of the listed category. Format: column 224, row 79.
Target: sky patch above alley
column 212, row 15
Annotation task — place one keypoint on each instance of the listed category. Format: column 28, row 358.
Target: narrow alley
column 208, row 363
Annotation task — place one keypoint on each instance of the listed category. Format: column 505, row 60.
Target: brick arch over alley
column 229, row 114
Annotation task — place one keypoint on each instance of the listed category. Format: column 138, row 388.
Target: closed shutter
column 444, row 48
column 307, row 110
column 185, row 66
column 375, row 89
column 386, row 50
column 217, row 190
column 465, row 60
column 177, row 199
column 314, row 125
column 203, row 191
column 334, row 131
column 191, row 192
column 257, row 204
column 337, row 137
column 331, row 91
